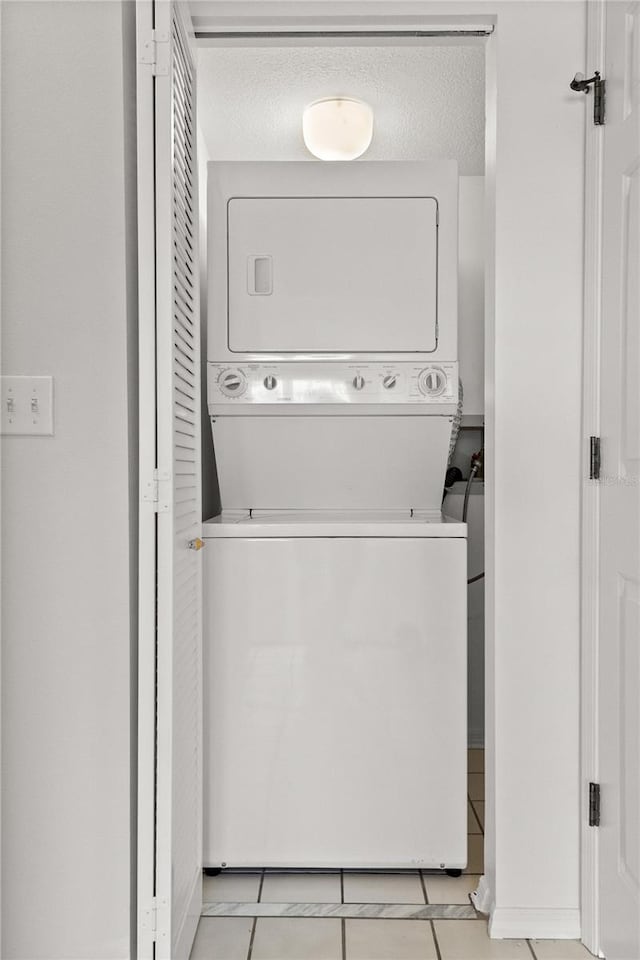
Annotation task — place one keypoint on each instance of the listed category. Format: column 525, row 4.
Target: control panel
column 332, row 382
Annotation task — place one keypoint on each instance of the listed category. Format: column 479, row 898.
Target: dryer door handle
column 259, row 276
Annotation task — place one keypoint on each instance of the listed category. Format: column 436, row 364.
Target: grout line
column 530, row 945
column 260, row 885
column 435, row 940
column 471, row 804
column 253, row 933
column 424, row 887
column 342, row 886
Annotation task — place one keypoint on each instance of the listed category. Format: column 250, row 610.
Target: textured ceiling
column 428, row 101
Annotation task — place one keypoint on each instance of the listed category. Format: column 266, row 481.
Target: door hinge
column 155, row 53
column 594, row 804
column 581, row 85
column 153, row 918
column 150, row 918
column 157, row 491
column 598, row 101
column 594, row 458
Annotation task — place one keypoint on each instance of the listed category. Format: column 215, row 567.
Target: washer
column 335, row 713
column 335, row 590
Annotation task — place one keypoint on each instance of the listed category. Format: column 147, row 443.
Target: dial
column 390, row 381
column 233, row 383
column 358, row 382
column 432, row 381
column 270, row 382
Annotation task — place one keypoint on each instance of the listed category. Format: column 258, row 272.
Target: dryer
column 335, row 590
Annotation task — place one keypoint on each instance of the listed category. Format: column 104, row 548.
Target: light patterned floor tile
column 469, row 940
column 560, row 950
column 301, row 888
column 475, row 760
column 450, row 889
column 472, row 824
column 231, row 886
column 478, row 806
column 382, row 888
column 475, row 854
column 476, row 786
column 222, row 938
column 389, row 940
column 296, row 939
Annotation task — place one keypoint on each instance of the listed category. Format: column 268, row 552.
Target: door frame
column 590, row 516
column 512, row 669
column 147, row 515
column 421, row 23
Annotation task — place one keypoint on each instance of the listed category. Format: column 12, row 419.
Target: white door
column 619, row 599
column 170, row 645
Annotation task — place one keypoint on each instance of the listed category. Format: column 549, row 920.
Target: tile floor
column 313, row 938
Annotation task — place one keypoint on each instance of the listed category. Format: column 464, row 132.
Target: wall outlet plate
column 27, row 406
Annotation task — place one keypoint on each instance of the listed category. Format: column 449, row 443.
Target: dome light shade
column 337, row 128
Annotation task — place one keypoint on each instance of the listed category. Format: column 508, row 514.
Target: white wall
column 533, row 405
column 471, row 260
column 67, row 512
column 427, row 98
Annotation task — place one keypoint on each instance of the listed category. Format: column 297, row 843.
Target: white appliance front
column 346, row 274
column 331, row 434
column 336, row 709
column 352, row 463
column 310, row 259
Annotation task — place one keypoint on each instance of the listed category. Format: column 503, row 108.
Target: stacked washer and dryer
column 335, row 589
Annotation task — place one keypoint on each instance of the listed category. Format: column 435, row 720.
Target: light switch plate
column 27, row 406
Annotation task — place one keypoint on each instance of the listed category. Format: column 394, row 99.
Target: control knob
column 270, row 382
column 233, row 383
column 389, row 382
column 432, row 381
column 358, row 382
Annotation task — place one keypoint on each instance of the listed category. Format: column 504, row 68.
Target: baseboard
column 539, row 923
column 482, row 897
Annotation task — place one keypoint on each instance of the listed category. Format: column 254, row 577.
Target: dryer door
column 332, row 274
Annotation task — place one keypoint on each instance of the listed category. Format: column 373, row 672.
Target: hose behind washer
column 465, row 510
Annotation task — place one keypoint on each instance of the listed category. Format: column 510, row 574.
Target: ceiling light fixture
column 337, row 128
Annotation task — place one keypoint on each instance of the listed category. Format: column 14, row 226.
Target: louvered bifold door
column 177, row 875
